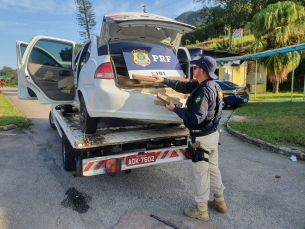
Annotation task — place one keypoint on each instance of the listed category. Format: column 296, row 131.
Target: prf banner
column 151, row 61
column 238, row 33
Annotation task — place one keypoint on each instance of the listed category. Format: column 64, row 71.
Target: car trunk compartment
column 123, row 81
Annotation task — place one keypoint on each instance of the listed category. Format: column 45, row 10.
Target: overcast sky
column 25, row 19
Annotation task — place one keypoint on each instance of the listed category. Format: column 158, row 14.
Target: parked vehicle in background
column 234, row 95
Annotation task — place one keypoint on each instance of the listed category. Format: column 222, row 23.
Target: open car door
column 45, row 69
column 21, row 47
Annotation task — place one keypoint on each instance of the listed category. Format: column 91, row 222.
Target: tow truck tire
column 51, row 120
column 87, row 124
column 68, row 155
column 224, row 104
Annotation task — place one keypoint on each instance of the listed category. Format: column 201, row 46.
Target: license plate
column 140, row 159
column 245, row 100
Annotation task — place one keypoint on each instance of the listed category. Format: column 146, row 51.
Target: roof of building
column 263, row 54
column 214, row 50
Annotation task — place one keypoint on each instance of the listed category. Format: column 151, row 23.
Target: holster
column 196, row 152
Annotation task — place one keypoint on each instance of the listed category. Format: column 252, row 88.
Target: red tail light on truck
column 113, row 165
column 104, row 71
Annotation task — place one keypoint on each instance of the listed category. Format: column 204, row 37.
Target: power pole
column 144, row 10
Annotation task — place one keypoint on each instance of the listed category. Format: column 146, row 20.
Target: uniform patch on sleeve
column 220, row 94
column 198, row 99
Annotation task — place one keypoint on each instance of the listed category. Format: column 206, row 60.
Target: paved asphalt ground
column 35, row 191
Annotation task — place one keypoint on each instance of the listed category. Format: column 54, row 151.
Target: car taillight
column 235, row 92
column 104, row 71
column 113, row 165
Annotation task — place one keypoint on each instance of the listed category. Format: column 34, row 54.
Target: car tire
column 224, row 104
column 51, row 120
column 87, row 124
column 68, row 155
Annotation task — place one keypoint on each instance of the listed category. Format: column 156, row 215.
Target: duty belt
column 200, row 133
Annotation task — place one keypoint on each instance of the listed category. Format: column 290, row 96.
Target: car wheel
column 51, row 120
column 224, row 104
column 68, row 155
column 87, row 124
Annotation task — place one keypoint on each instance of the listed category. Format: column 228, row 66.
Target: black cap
column 208, row 64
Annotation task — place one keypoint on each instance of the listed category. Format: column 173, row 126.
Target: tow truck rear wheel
column 51, row 120
column 68, row 155
column 87, row 124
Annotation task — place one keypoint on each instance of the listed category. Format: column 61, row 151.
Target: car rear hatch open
column 142, row 27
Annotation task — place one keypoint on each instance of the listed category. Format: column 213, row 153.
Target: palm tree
column 272, row 28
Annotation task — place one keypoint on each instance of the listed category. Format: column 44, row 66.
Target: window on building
column 228, row 75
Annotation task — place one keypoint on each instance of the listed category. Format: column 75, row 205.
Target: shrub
column 2, row 82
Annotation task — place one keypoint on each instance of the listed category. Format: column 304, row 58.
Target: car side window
column 52, row 53
column 22, row 49
column 182, row 54
column 76, row 60
column 84, row 56
column 88, row 52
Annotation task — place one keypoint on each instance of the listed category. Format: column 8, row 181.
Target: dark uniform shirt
column 194, row 116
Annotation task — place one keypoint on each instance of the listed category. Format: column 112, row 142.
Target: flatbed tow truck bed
column 118, row 144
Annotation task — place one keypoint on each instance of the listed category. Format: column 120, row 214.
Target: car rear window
column 116, row 48
column 230, row 84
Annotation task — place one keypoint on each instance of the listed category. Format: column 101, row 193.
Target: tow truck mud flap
column 79, row 166
column 97, row 165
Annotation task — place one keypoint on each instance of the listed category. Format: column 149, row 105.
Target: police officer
column 201, row 117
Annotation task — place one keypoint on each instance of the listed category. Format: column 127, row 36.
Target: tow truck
column 117, row 145
column 107, row 121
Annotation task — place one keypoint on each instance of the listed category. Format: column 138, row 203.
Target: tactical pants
column 207, row 175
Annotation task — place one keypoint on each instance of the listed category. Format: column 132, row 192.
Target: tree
column 66, row 54
column 199, row 34
column 11, row 74
column 232, row 14
column 77, row 47
column 86, row 18
column 7, row 71
column 275, row 27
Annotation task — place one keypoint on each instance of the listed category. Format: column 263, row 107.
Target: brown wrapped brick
column 166, row 99
column 144, row 78
column 159, row 103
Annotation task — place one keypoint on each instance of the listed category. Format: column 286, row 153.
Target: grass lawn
column 280, row 96
column 10, row 115
column 278, row 123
